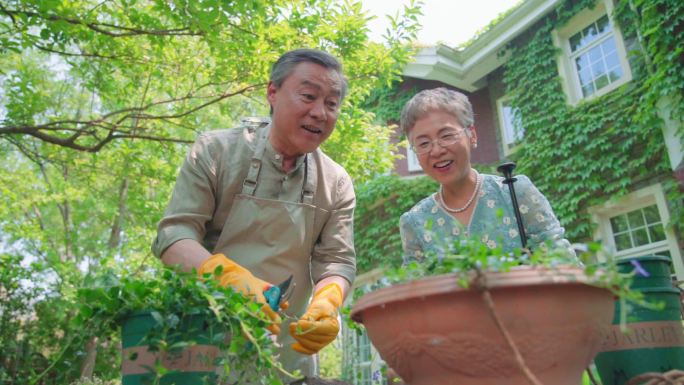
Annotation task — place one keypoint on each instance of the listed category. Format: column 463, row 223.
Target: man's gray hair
column 286, row 63
column 437, row 99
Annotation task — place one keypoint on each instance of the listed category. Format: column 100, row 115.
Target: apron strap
column 249, row 185
column 310, row 179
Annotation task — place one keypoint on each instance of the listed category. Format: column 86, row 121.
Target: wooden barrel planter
column 655, row 338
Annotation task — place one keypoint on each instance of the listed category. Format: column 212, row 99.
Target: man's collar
column 277, row 158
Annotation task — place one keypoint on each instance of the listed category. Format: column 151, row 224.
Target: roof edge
column 465, row 68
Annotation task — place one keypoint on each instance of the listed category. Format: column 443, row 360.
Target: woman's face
column 449, row 163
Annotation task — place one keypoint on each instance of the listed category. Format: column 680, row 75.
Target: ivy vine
column 579, row 155
column 380, row 203
column 387, row 102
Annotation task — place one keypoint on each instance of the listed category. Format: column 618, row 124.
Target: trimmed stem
column 250, row 337
column 487, row 297
column 592, row 379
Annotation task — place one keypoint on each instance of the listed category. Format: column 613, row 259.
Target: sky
column 448, row 21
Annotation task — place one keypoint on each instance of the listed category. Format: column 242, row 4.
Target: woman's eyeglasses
column 423, row 146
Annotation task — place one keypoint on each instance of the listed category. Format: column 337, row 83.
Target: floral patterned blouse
column 427, row 229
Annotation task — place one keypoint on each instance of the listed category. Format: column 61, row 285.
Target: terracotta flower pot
column 432, row 331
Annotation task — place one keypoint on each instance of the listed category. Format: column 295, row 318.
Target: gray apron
column 273, row 239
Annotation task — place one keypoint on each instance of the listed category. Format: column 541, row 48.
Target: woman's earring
column 475, row 145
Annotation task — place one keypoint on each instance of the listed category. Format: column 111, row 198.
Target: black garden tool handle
column 507, row 170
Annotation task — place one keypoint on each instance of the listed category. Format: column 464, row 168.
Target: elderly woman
column 439, row 126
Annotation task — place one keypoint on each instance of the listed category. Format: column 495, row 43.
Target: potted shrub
column 484, row 317
column 179, row 329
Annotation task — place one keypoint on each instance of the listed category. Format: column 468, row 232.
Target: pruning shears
column 277, row 294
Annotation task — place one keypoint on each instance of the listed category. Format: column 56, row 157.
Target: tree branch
column 88, row 55
column 4, row 10
column 128, row 31
column 117, row 225
column 115, row 129
column 201, row 106
column 101, row 27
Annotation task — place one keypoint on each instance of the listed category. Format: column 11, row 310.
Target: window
column 593, row 60
column 510, row 124
column 365, row 358
column 637, row 225
column 640, row 227
column 595, row 57
column 360, row 361
column 412, row 160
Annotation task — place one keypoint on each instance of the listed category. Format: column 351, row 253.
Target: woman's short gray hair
column 285, row 65
column 437, row 99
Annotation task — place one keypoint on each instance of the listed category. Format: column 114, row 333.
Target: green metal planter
column 191, row 365
column 655, row 338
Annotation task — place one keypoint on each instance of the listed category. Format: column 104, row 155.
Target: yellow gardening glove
column 318, row 326
column 244, row 282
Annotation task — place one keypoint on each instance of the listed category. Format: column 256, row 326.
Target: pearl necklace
column 478, row 182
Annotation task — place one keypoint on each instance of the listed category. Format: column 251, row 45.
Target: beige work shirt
column 213, row 173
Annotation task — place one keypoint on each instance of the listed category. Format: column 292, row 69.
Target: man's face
column 305, row 108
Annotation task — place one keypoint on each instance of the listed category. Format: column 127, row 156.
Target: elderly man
column 264, row 202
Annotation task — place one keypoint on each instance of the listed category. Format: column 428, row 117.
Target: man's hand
column 319, row 325
column 240, row 279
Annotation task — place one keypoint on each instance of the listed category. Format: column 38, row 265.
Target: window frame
column 412, row 164
column 361, row 369
column 639, row 199
column 365, row 364
column 572, row 85
column 353, row 364
column 508, row 147
column 652, row 247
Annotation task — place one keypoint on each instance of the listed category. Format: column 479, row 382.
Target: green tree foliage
column 98, row 103
column 14, row 305
column 83, row 74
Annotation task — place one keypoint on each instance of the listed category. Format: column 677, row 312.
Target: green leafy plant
column 474, row 258
column 173, row 298
column 470, row 258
